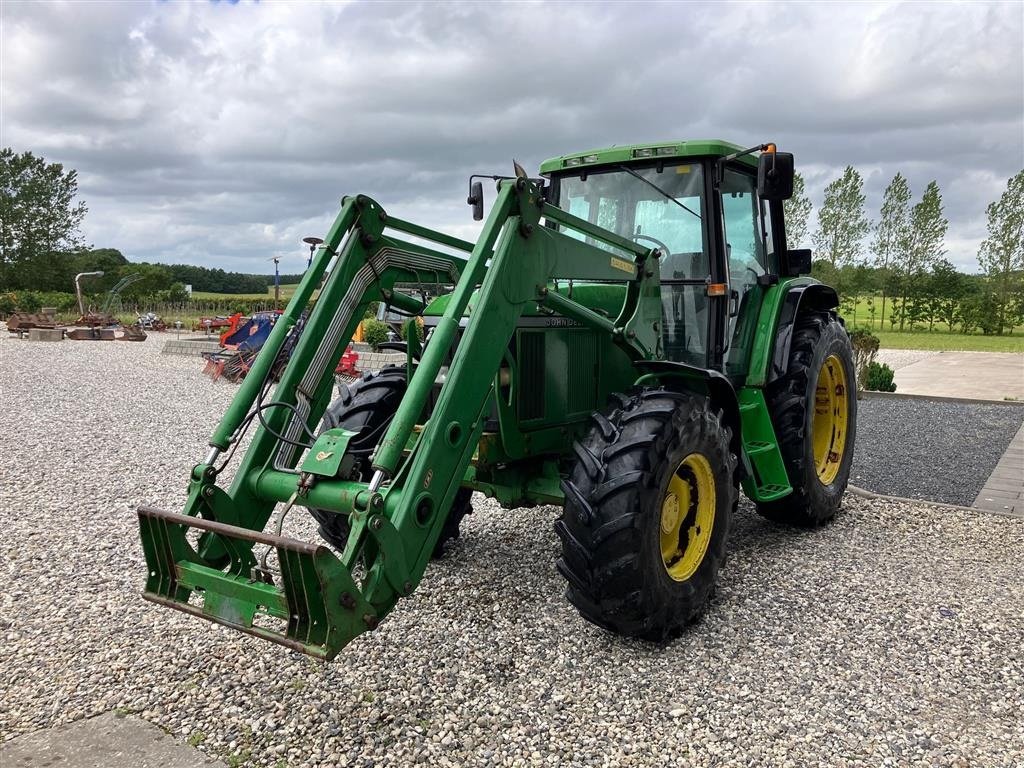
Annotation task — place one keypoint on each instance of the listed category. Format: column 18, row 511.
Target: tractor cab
column 717, row 234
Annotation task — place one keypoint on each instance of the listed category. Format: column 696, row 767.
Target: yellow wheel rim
column 687, row 517
column 830, row 420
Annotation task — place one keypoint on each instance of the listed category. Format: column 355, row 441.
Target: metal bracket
column 392, row 552
column 327, row 457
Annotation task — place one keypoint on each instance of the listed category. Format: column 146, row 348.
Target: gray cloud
column 221, row 134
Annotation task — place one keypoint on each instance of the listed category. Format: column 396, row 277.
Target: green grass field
column 944, row 341
column 287, row 291
column 207, row 296
column 938, row 339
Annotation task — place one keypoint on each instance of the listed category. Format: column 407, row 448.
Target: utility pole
column 277, row 283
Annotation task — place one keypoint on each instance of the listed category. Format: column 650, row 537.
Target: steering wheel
column 665, row 250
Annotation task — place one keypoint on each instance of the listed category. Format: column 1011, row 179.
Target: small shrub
column 375, row 333
column 404, row 331
column 8, row 304
column 879, row 378
column 865, row 347
column 29, row 301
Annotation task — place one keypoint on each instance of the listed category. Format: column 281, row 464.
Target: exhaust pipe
column 78, row 288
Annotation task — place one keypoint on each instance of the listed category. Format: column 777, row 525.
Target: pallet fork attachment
column 313, row 595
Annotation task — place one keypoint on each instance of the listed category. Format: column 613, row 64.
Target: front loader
column 629, row 339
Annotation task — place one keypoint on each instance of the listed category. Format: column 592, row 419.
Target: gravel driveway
column 892, row 637
column 926, row 449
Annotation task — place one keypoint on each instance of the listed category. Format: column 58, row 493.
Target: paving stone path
column 1004, row 490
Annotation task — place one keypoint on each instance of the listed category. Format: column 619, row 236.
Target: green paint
column 767, row 479
column 670, row 150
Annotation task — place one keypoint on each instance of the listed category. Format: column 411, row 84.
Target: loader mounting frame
column 395, row 519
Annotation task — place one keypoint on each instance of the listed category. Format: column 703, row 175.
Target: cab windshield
column 672, row 219
column 632, row 206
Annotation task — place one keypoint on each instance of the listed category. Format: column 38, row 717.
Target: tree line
column 904, row 280
column 904, row 265
column 41, row 248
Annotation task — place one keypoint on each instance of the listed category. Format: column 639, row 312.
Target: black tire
column 611, row 524
column 818, row 337
column 366, row 407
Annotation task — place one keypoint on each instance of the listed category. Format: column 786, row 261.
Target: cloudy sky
column 221, row 134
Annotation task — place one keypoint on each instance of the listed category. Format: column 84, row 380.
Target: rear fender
column 798, row 299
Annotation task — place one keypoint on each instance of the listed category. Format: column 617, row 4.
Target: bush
column 375, row 333
column 404, row 331
column 8, row 304
column 879, row 378
column 62, row 300
column 29, row 301
column 176, row 294
column 865, row 347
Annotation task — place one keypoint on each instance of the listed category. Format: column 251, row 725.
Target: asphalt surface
column 924, row 449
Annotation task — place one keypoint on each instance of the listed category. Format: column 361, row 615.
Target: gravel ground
column 901, row 358
column 892, row 637
column 925, row 449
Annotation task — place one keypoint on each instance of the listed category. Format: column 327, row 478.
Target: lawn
column 945, row 341
column 287, row 291
column 208, row 296
column 940, row 338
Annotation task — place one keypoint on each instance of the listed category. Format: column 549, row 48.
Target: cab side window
column 747, row 261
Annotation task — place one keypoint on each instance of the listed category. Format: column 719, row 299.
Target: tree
column 154, row 278
column 842, row 222
column 106, row 260
column 796, row 212
column 946, row 288
column 1002, row 253
column 892, row 235
column 927, row 244
column 38, row 218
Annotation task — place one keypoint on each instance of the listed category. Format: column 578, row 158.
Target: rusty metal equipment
column 21, row 322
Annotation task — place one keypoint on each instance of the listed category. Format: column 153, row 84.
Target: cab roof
column 660, row 150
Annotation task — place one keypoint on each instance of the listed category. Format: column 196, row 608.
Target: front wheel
column 814, row 411
column 646, row 514
column 366, row 407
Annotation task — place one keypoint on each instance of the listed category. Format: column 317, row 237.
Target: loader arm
column 397, row 517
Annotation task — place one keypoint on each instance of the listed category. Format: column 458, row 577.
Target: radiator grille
column 582, row 373
column 531, row 375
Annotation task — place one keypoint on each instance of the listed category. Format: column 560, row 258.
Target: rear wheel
column 646, row 515
column 366, row 407
column 814, row 411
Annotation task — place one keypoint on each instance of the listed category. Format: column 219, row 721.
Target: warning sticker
column 622, row 264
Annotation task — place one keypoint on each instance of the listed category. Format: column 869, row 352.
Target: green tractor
column 629, row 339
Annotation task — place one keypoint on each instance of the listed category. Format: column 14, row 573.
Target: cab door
column 749, row 260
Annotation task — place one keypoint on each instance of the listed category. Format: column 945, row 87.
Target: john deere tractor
column 629, row 339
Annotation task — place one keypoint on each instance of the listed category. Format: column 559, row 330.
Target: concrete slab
column 106, row 741
column 1004, row 489
column 46, row 334
column 993, row 494
column 971, row 375
column 190, row 346
column 1002, row 507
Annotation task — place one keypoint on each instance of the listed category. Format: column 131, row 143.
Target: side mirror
column 476, row 199
column 798, row 262
column 775, row 176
